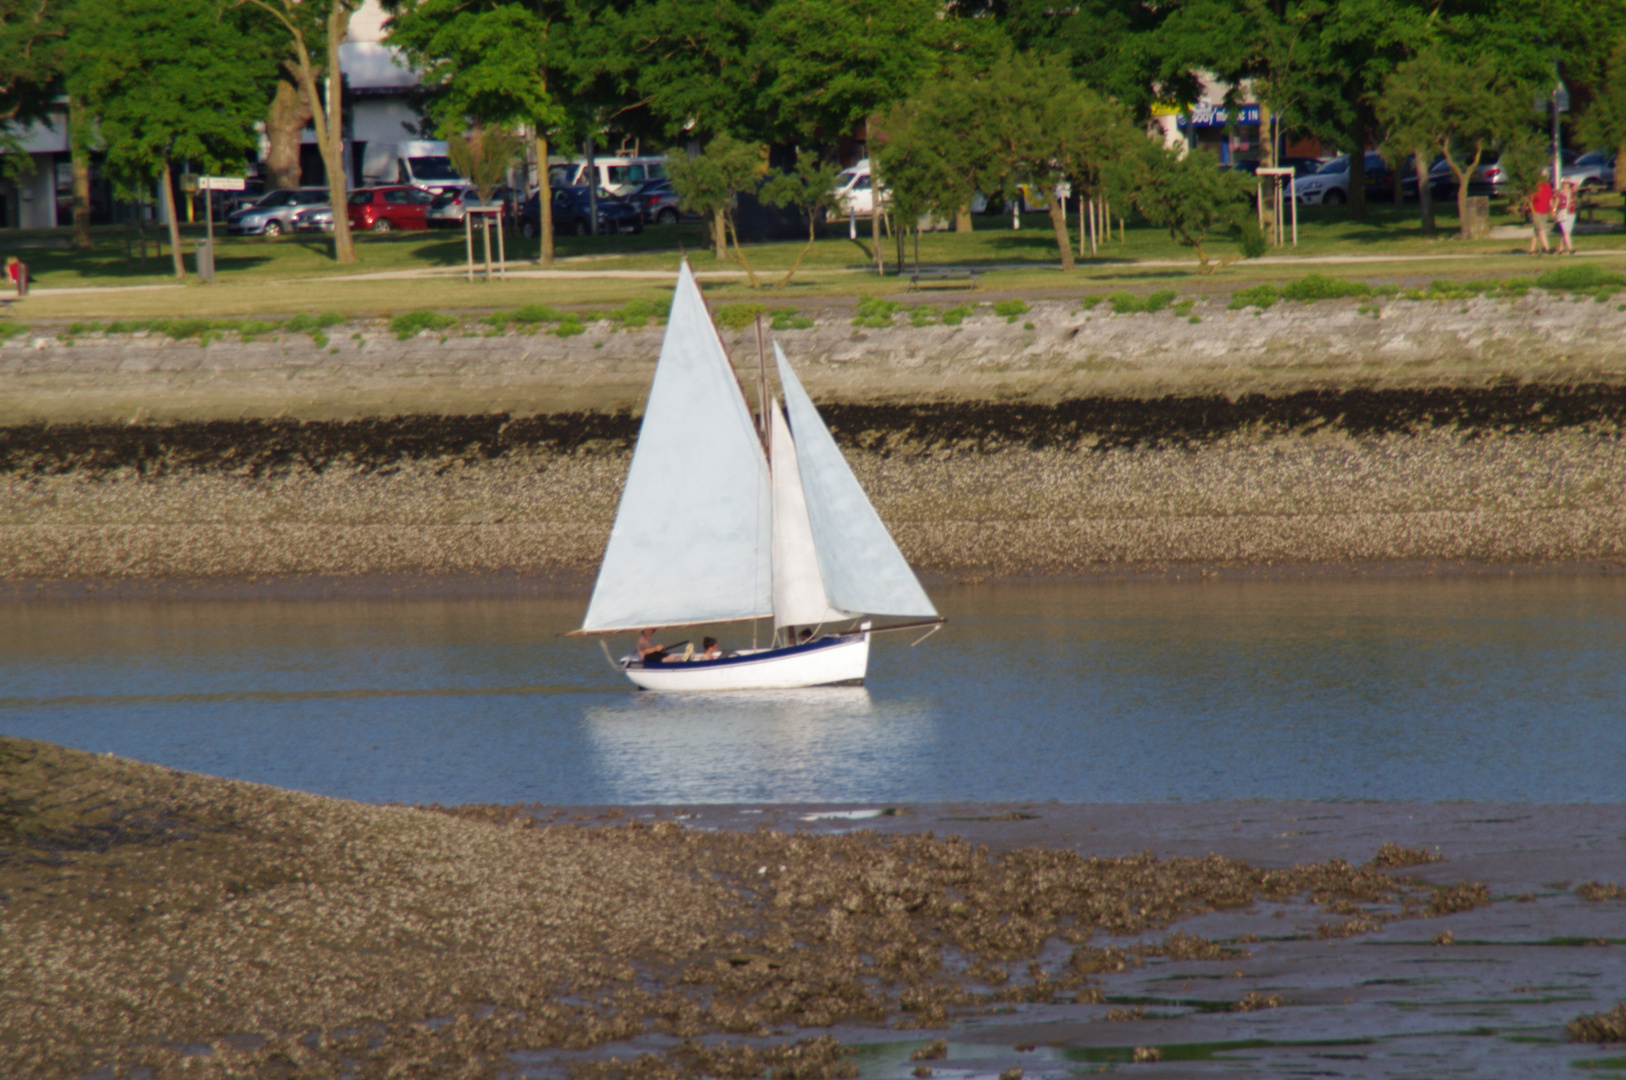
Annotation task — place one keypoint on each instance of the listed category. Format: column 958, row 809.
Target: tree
column 1190, row 195
column 1117, row 47
column 810, row 188
column 1459, row 110
column 294, row 18
column 1604, row 123
column 33, row 35
column 489, row 63
column 167, row 80
column 1023, row 122
column 710, row 183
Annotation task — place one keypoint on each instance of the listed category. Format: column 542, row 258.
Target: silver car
column 313, row 219
column 273, row 214
column 447, row 210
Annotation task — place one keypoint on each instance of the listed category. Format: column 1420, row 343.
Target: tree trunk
column 81, row 175
column 962, row 220
column 544, row 200
column 1425, row 197
column 1357, row 181
column 1058, row 221
column 1267, row 217
column 167, row 193
column 1463, row 178
column 284, row 128
column 875, row 225
column 338, row 22
column 719, row 232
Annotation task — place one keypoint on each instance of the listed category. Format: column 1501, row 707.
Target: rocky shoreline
column 1516, row 475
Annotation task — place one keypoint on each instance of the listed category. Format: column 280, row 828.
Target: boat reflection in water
column 757, row 745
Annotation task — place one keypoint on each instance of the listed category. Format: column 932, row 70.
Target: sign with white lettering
column 222, row 183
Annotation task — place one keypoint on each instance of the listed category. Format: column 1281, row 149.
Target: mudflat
column 186, row 925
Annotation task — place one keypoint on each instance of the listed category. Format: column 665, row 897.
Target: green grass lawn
column 295, row 273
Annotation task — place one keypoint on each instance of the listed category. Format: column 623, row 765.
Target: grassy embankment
column 292, row 274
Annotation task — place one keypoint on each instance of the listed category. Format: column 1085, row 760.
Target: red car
column 382, row 209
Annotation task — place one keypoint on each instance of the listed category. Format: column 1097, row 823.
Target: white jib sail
column 691, row 541
column 798, row 586
column 863, row 569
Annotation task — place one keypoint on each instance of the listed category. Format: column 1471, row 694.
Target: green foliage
column 484, row 157
column 708, row 184
column 10, row 328
column 413, row 323
column 636, row 313
column 787, row 318
column 169, row 80
column 1253, row 243
column 1183, row 308
column 1315, row 287
column 737, row 317
column 1090, row 301
column 955, row 315
column 836, row 63
column 922, row 315
column 875, row 312
column 1260, row 296
column 313, row 324
column 810, row 188
column 1126, row 303
column 1191, row 196
column 1011, row 309
column 1580, row 277
column 569, row 326
column 1604, row 122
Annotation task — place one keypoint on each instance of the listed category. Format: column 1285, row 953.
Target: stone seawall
column 1056, row 352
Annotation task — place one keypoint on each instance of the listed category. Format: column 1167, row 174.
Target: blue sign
column 1208, row 114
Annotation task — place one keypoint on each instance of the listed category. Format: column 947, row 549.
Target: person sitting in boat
column 650, row 651
column 806, row 636
column 710, row 650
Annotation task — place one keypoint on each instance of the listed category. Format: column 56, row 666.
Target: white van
column 853, row 191
column 423, row 163
column 618, row 175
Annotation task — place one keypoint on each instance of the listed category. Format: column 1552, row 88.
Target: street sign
column 221, row 183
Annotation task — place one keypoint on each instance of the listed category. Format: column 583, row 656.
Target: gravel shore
column 159, row 923
column 1246, row 499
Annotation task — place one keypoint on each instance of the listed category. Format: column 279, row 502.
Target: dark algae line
column 260, row 447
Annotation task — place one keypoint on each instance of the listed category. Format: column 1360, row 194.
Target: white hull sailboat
column 725, row 519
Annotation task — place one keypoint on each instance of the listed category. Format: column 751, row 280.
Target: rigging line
column 926, row 635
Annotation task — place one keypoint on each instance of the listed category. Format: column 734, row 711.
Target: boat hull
column 832, row 661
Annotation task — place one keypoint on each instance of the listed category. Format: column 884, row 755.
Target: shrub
column 1124, row 303
column 954, row 316
column 635, row 313
column 875, row 312
column 1600, row 1027
column 413, row 323
column 1011, row 309
column 787, row 318
column 9, row 329
column 1183, row 308
column 1260, row 296
column 1315, row 287
column 1090, row 301
column 1580, row 277
column 737, row 317
column 1158, row 300
column 569, row 327
column 1253, row 242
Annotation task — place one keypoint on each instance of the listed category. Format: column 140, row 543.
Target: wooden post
column 468, row 243
column 502, row 251
column 485, row 235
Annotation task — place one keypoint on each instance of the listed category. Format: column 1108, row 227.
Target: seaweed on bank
column 261, row 447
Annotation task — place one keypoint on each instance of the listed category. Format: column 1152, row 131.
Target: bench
column 930, row 279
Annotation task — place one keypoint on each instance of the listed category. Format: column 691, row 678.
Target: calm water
column 1390, row 690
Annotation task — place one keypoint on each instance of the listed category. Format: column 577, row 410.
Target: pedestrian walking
column 1565, row 205
column 1541, row 208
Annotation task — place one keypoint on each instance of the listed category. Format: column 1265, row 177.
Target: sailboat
column 725, row 520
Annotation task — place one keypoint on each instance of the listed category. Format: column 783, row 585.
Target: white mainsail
column 692, row 537
column 798, row 586
column 859, row 563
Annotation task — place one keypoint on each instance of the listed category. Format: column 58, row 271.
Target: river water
column 1393, row 689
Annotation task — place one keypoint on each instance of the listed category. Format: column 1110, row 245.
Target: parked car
column 1329, row 185
column 313, row 219
column 572, row 213
column 447, row 209
column 658, row 201
column 383, row 209
column 853, row 191
column 1594, row 171
column 273, row 214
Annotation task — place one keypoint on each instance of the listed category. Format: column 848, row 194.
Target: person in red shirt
column 1541, row 209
